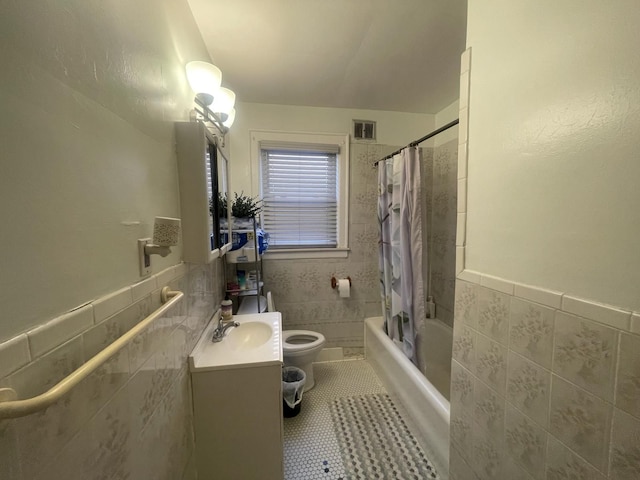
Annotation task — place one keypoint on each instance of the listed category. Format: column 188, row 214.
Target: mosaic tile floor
column 311, row 449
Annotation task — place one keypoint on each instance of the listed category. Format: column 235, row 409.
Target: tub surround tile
column 568, row 374
column 489, row 409
column 462, row 195
column 465, row 60
column 528, row 388
column 488, row 455
column 606, row 314
column 54, row 333
column 526, row 442
column 460, row 469
column 493, row 314
column 466, row 303
column 464, row 346
column 625, row 447
column 585, row 353
column 627, row 395
column 459, row 259
column 470, row 276
column 107, row 306
column 549, row 298
column 14, row 354
column 463, row 126
column 563, row 464
column 462, row 428
column 461, row 229
column 581, row 421
column 513, row 470
column 462, row 386
column 491, row 363
column 496, row 283
column 462, row 160
column 531, row 331
column 464, row 89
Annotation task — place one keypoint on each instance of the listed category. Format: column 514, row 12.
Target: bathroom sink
column 249, row 335
column 256, row 342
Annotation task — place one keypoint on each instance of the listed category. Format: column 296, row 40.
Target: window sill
column 299, row 253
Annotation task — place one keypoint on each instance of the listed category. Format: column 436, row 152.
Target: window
column 303, row 182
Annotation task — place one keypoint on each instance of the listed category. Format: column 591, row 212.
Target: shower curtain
column 400, row 252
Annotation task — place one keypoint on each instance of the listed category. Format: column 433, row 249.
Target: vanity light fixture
column 166, row 234
column 214, row 103
column 230, row 119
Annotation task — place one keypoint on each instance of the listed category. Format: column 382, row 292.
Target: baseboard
column 330, row 354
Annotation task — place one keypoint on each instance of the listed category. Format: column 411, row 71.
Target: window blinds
column 300, row 196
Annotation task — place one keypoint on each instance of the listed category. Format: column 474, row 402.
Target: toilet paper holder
column 334, row 282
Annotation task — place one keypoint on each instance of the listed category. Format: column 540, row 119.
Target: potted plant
column 245, row 206
column 243, row 209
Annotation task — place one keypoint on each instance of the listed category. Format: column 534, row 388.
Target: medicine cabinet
column 203, row 173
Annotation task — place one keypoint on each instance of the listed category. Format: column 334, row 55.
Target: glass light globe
column 229, row 121
column 204, row 79
column 223, row 102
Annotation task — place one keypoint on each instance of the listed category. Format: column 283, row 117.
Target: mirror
column 202, row 171
column 224, row 217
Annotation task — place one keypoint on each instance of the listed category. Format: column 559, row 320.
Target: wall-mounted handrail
column 12, row 408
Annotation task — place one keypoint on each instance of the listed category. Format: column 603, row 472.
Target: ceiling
column 399, row 55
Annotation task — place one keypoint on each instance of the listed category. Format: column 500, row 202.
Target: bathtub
column 427, row 408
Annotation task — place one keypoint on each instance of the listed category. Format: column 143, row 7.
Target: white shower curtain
column 400, row 262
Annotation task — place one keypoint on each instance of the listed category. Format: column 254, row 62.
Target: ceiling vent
column 364, row 130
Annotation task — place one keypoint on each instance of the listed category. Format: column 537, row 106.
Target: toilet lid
column 299, row 340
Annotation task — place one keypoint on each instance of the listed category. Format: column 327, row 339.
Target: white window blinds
column 300, row 196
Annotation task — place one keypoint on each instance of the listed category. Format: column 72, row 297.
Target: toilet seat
column 300, row 341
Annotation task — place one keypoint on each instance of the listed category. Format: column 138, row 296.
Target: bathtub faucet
column 221, row 329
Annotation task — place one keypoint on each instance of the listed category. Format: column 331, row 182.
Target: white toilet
column 300, row 348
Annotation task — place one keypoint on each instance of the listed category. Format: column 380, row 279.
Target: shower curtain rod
column 420, row 140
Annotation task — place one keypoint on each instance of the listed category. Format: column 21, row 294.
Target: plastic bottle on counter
column 226, row 310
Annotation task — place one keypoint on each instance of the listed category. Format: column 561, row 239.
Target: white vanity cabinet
column 237, row 405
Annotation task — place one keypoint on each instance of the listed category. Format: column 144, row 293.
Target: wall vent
column 364, row 130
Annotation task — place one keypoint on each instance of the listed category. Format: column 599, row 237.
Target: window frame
column 291, row 139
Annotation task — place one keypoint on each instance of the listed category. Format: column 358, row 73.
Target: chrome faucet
column 221, row 329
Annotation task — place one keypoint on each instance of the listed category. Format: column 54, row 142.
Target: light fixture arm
column 210, row 117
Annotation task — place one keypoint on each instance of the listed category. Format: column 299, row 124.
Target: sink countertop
column 228, row 354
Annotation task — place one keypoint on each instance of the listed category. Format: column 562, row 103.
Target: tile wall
column 302, row 288
column 544, row 385
column 132, row 418
column 441, row 232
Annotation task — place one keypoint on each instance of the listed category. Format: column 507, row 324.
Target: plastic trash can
column 293, row 379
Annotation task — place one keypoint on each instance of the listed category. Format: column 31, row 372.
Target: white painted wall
column 554, row 146
column 88, row 94
column 444, row 116
column 394, row 128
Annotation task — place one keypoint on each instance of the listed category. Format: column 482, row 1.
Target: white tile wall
column 57, row 331
column 569, row 383
column 132, row 417
column 14, row 354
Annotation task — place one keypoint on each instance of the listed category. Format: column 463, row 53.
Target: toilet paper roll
column 344, row 287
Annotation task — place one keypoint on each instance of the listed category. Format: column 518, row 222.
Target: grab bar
column 12, row 408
